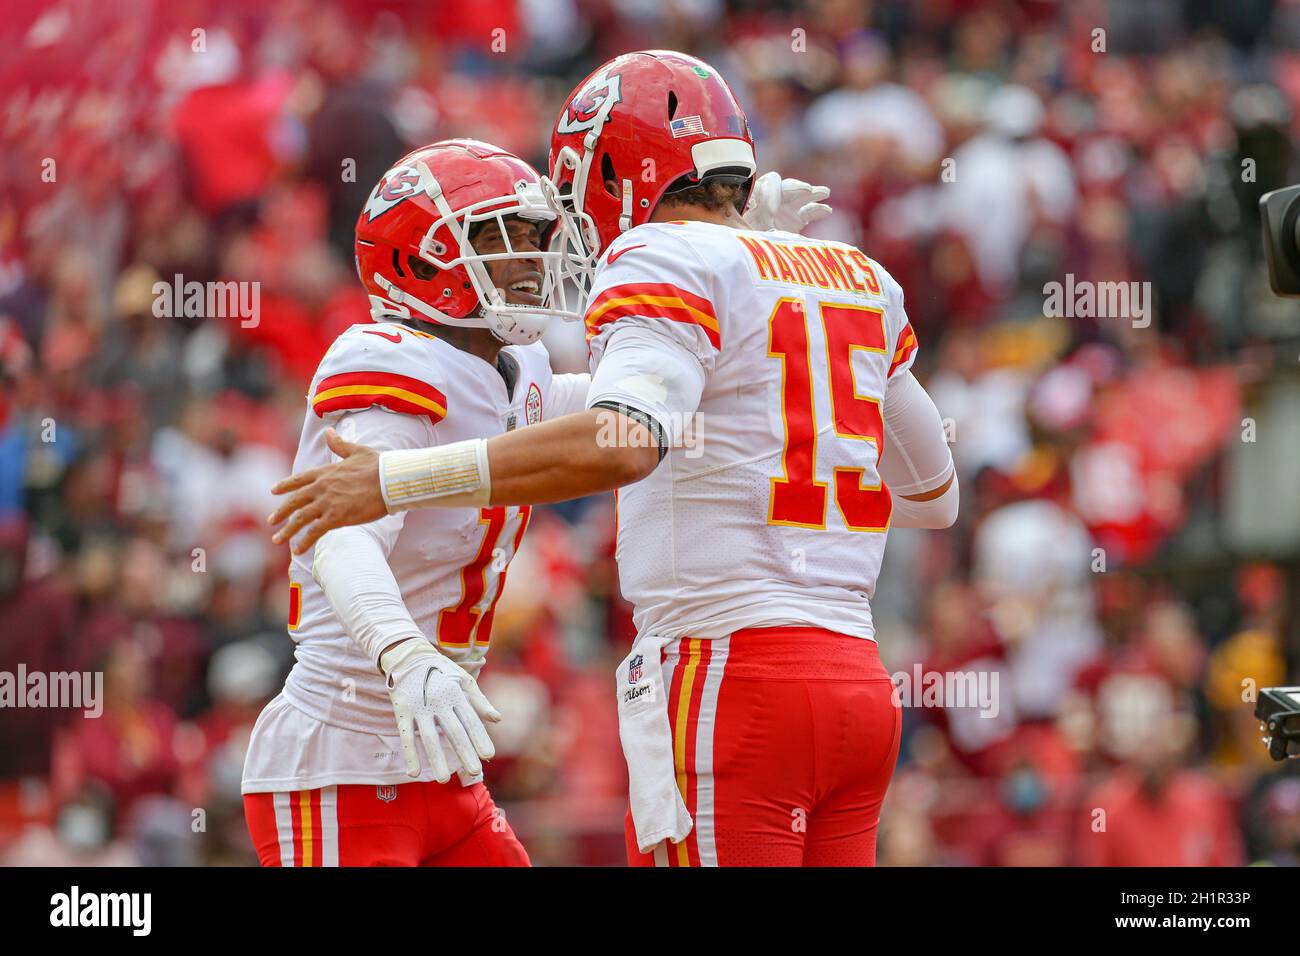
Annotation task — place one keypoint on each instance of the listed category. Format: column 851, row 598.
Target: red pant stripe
column 676, row 718
column 295, row 818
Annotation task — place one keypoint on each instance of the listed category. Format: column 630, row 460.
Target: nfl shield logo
column 386, row 794
column 634, row 669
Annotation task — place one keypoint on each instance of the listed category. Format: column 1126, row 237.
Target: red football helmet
column 425, row 207
column 652, row 122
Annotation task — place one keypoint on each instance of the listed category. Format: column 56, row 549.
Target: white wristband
column 450, row 476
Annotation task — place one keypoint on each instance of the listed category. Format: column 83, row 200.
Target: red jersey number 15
column 797, row 497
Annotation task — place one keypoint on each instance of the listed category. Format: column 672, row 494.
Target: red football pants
column 410, row 824
column 784, row 741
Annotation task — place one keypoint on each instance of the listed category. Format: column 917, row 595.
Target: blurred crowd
column 978, row 150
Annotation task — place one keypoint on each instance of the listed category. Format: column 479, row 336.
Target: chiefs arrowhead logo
column 590, row 105
column 400, row 182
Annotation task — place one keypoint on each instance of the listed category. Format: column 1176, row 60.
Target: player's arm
column 916, row 462
column 566, row 458
column 553, row 461
column 643, row 389
column 428, row 690
column 641, row 394
column 351, row 566
column 653, row 333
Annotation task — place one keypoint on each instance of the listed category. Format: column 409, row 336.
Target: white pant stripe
column 661, row 848
column 329, row 825
column 705, row 724
column 284, row 827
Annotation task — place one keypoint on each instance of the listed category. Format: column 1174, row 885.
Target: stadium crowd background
column 1095, row 567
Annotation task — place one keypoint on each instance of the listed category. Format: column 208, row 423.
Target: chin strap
column 402, row 302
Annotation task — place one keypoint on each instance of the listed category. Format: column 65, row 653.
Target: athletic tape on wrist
column 451, row 476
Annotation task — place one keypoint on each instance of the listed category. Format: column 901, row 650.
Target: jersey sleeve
column 916, row 457
column 568, row 394
column 383, row 366
column 655, row 280
column 646, row 371
column 351, row 563
column 902, row 342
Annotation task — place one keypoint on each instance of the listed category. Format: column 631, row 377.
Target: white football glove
column 786, row 204
column 436, row 695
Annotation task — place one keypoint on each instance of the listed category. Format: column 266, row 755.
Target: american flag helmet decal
column 686, row 126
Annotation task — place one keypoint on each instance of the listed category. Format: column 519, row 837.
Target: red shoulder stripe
column 654, row 299
column 906, row 346
column 397, row 393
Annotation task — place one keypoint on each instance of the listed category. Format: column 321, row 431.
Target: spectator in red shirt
column 130, row 748
column 1155, row 812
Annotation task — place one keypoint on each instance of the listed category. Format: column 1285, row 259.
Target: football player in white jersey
column 752, row 397
column 393, row 619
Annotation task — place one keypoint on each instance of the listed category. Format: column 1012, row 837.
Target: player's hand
column 343, row 493
column 436, row 695
column 787, row 204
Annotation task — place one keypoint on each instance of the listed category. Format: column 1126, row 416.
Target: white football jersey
column 768, row 509
column 391, row 386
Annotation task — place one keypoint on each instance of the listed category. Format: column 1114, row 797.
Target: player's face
column 520, row 280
